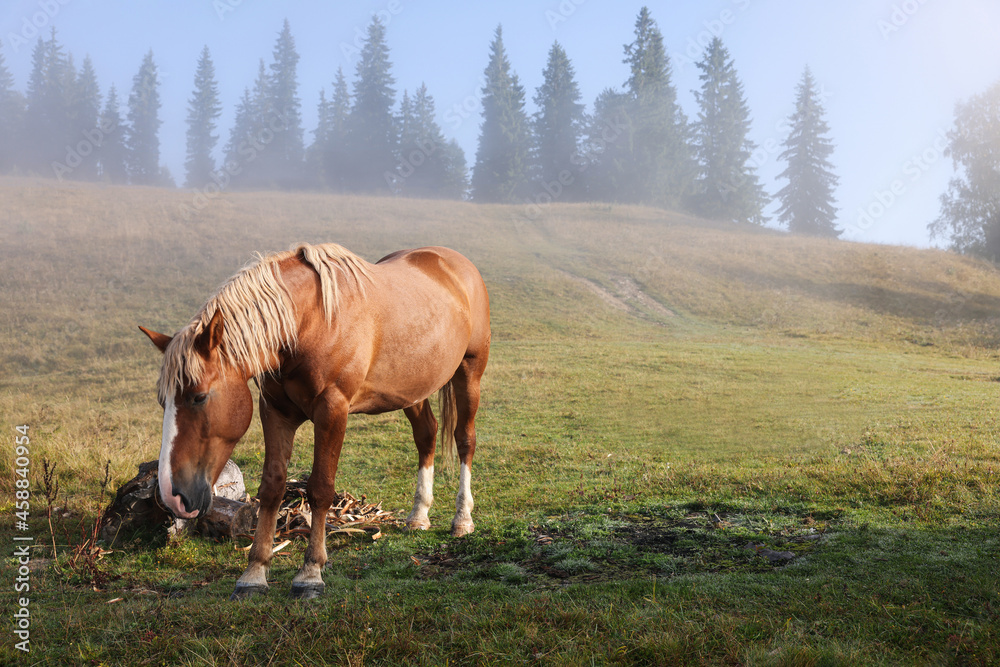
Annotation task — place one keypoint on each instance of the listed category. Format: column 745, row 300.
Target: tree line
column 636, row 145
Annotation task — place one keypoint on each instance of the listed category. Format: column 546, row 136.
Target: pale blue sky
column 892, row 70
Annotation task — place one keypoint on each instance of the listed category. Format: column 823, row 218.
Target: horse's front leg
column 330, row 427
column 279, row 433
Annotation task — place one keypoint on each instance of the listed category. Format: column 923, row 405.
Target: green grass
column 667, row 402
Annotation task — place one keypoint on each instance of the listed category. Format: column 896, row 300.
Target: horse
column 324, row 334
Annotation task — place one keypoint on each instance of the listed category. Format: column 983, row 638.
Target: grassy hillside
column 649, row 372
column 82, row 266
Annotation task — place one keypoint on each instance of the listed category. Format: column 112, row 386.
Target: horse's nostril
column 187, row 503
column 195, row 497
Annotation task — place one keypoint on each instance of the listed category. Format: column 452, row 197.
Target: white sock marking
column 464, row 504
column 424, row 495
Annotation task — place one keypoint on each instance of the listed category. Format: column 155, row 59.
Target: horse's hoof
column 307, row 591
column 418, row 525
column 462, row 529
column 244, row 591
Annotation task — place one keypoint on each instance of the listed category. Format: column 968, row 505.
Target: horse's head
column 203, row 419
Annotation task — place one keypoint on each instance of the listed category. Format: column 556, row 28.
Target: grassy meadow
column 698, row 444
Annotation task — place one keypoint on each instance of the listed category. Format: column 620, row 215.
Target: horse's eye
column 199, row 399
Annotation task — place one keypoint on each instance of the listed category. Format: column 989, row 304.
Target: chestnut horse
column 324, row 334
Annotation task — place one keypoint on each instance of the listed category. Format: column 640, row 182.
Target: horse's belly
column 406, row 376
column 380, row 394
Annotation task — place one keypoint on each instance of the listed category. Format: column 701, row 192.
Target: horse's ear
column 211, row 337
column 159, row 340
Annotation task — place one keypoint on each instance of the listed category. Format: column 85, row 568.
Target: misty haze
column 561, row 333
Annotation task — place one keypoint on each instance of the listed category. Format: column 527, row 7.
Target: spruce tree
column 661, row 169
column 11, row 120
column 807, row 202
column 406, row 127
column 336, row 167
column 558, row 125
column 501, row 173
column 607, row 151
column 112, row 155
column 251, row 135
column 203, row 110
column 49, row 114
column 315, row 175
column 38, row 125
column 142, row 139
column 239, row 149
column 426, row 160
column 444, row 173
column 727, row 187
column 372, row 141
column 456, row 181
column 85, row 111
column 282, row 162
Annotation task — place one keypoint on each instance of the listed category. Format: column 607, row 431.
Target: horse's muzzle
column 195, row 497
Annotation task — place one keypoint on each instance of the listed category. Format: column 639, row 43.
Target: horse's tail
column 449, row 420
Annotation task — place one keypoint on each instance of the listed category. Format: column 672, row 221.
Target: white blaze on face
column 164, row 473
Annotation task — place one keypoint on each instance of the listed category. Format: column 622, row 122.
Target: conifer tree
column 727, row 187
column 39, row 124
column 607, row 150
column 661, row 169
column 11, row 120
column 558, row 125
column 112, row 155
column 283, row 159
column 203, row 110
column 406, row 123
column 239, row 149
column 250, row 135
column 426, row 160
column 336, row 167
column 501, row 173
column 807, row 202
column 315, row 174
column 142, row 139
column 444, row 174
column 372, row 141
column 85, row 106
column 49, row 100
column 456, row 182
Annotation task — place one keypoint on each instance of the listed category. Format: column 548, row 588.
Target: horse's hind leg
column 424, row 434
column 466, row 387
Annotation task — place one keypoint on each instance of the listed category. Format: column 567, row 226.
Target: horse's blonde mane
column 259, row 319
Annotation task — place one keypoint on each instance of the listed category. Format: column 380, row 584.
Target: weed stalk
column 50, row 487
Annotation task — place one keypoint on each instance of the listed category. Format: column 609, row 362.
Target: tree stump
column 137, row 506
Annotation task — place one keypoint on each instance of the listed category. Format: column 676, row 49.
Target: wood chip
column 347, row 514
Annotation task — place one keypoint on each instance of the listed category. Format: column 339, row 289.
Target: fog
column 890, row 72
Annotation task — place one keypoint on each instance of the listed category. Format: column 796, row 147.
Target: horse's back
column 452, row 271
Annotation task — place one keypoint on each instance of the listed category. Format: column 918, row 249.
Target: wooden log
column 226, row 519
column 135, row 507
